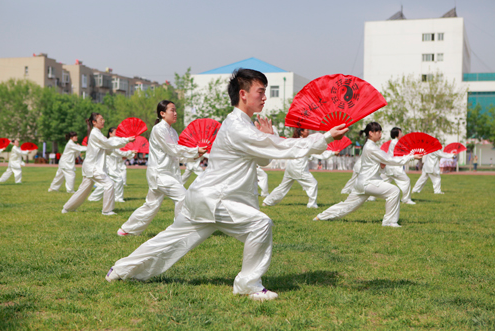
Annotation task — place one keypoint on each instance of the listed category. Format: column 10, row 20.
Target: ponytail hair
column 371, row 127
column 297, row 132
column 112, row 129
column 89, row 122
column 394, row 133
column 70, row 135
column 162, row 107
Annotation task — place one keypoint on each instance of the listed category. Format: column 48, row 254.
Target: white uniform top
column 370, row 165
column 432, row 162
column 393, row 170
column 95, row 154
column 357, row 166
column 231, row 177
column 15, row 158
column 114, row 160
column 164, row 155
column 323, row 156
column 195, row 165
column 71, row 151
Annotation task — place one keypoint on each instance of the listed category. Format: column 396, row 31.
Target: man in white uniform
column 431, row 168
column 15, row 162
column 225, row 196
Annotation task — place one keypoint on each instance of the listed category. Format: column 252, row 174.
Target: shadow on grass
column 425, row 200
column 13, row 308
column 346, row 220
column 132, row 199
column 379, row 285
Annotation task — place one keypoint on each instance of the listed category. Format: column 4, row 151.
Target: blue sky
column 155, row 39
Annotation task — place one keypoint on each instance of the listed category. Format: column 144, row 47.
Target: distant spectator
column 475, row 162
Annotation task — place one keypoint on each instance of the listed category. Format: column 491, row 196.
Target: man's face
column 255, row 97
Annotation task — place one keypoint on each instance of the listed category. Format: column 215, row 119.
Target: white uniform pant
column 142, row 217
column 308, row 182
column 386, row 191
column 187, row 173
column 84, row 190
column 403, row 182
column 118, row 187
column 17, row 175
column 350, row 184
column 124, row 175
column 435, row 179
column 262, row 182
column 70, row 178
column 158, row 254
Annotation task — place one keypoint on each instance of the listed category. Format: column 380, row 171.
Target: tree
column 213, row 101
column 481, row 124
column 427, row 107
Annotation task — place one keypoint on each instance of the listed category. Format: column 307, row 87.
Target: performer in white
column 15, row 163
column 397, row 173
column 369, row 182
column 297, row 169
column 349, row 186
column 163, row 171
column 431, row 168
column 193, row 166
column 225, row 196
column 113, row 170
column 262, row 181
column 67, row 164
column 93, row 169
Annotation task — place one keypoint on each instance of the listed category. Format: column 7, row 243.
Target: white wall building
column 421, row 47
column 282, row 84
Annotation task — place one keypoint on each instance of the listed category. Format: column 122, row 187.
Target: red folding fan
column 385, row 146
column 4, row 142
column 332, row 100
column 28, row 147
column 85, row 141
column 141, row 145
column 338, row 145
column 417, row 142
column 455, row 148
column 131, row 127
column 200, row 133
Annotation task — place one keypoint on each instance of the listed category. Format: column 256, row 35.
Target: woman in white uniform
column 296, row 170
column 15, row 163
column 67, row 164
column 397, row 173
column 93, row 169
column 113, row 168
column 431, row 168
column 163, row 171
column 369, row 183
column 193, row 166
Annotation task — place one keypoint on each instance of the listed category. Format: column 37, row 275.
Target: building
column 282, row 84
column 423, row 47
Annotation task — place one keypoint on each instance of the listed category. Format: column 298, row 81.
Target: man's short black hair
column 394, row 133
column 242, row 79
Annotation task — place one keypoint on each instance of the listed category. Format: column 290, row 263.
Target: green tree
column 427, row 107
column 481, row 124
column 212, row 101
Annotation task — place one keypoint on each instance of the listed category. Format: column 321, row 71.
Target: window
column 428, row 36
column 440, row 36
column 51, row 72
column 65, row 77
column 428, row 57
column 427, row 78
column 84, row 81
column 26, row 70
column 440, row 57
column 274, row 91
column 84, row 95
column 115, row 83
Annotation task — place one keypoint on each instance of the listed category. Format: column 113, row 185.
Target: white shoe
column 111, row 276
column 440, row 193
column 316, row 219
column 371, row 199
column 394, row 225
column 119, row 201
column 64, row 211
column 263, row 295
column 414, row 192
column 313, row 206
column 110, row 213
column 50, row 190
column 264, row 205
column 410, row 202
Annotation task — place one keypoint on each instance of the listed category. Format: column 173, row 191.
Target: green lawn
column 437, row 271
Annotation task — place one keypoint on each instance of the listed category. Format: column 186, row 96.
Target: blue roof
column 251, row 63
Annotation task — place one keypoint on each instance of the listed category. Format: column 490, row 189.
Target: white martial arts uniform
column 114, row 168
column 355, row 173
column 163, row 176
column 431, row 168
column 14, row 167
column 123, row 169
column 262, row 181
column 398, row 174
column 193, row 166
column 296, row 170
column 94, row 171
column 369, row 183
column 67, row 167
column 225, row 198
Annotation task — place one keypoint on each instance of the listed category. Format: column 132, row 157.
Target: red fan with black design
column 131, row 127
column 141, row 145
column 385, row 146
column 85, row 141
column 332, row 100
column 455, row 148
column 4, row 142
column 338, row 145
column 200, row 133
column 418, row 142
column 28, row 147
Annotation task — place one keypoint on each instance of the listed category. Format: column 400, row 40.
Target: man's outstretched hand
column 338, row 131
column 264, row 125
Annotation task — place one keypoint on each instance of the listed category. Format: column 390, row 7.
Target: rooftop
column 251, row 63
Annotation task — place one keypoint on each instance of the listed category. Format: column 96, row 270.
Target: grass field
column 436, row 272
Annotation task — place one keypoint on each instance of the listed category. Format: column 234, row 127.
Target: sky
column 155, row 39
